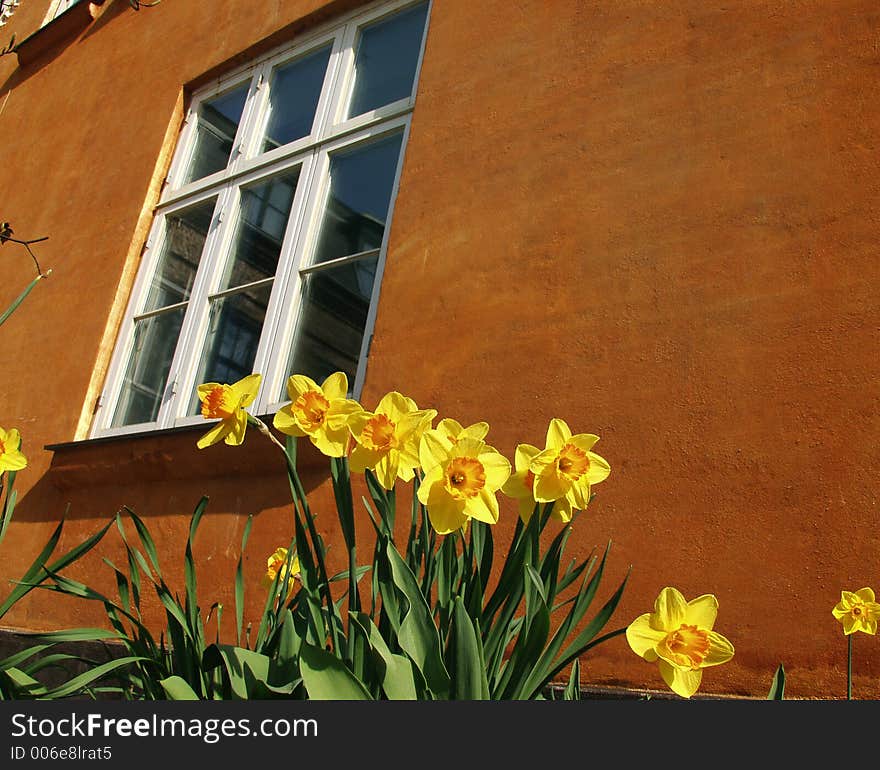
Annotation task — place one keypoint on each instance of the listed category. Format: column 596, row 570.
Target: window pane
column 144, row 384
column 236, row 322
column 264, row 210
column 215, row 133
column 185, row 234
column 293, row 99
column 332, row 319
column 385, row 64
column 361, row 181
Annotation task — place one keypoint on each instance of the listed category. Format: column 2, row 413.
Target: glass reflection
column 235, row 325
column 147, row 372
column 263, row 213
column 218, row 120
column 361, row 182
column 293, row 99
column 385, row 64
column 332, row 319
column 185, row 234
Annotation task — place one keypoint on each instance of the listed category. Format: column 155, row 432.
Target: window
column 267, row 244
column 58, row 7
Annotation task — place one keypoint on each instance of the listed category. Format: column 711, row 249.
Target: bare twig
column 6, row 235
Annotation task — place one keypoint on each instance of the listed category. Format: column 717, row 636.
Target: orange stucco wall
column 657, row 221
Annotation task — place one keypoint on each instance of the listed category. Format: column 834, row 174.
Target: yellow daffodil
column 857, row 611
column 521, row 486
column 227, row 402
column 275, row 564
column 461, row 480
column 11, row 458
column 566, row 468
column 453, row 430
column 321, row 413
column 388, row 439
column 678, row 635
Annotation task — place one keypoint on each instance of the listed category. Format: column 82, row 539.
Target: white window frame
column 330, row 133
column 57, row 7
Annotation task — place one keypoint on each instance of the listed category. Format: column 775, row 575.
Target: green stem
column 849, row 667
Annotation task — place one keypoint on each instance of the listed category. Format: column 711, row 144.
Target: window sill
column 50, row 35
column 170, row 456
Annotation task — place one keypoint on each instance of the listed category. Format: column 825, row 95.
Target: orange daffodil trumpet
column 11, row 458
column 462, row 477
column 228, row 403
column 857, row 611
column 563, row 472
column 388, row 439
column 321, row 413
column 678, row 636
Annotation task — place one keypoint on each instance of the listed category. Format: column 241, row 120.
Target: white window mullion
column 289, row 283
column 195, row 321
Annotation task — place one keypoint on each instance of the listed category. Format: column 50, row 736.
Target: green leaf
column 326, row 677
column 82, row 681
column 399, row 676
column 418, row 635
column 250, row 673
column 469, row 669
column 177, row 688
column 239, row 581
column 19, row 299
column 573, row 688
column 777, row 688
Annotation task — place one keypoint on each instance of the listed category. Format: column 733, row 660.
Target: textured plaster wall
column 654, row 220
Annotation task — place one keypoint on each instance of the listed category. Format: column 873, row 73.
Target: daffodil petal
column 362, row 458
column 550, row 487
column 720, row 650
column 562, row 510
column 445, row 514
column 386, row 470
column 297, row 384
column 12, row 461
column 286, row 422
column 478, row 430
column 335, row 386
column 865, row 594
column 583, row 441
column 670, row 609
column 215, row 434
column 394, row 405
column 579, row 494
column 237, row 428
column 449, row 428
column 643, row 638
column 433, row 449
column 332, row 443
column 599, row 469
column 339, row 413
column 515, row 486
column 702, row 611
column 497, row 468
column 523, row 456
column 526, row 509
column 483, row 507
column 683, row 682
column 558, row 434
column 432, row 477
column 246, row 389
